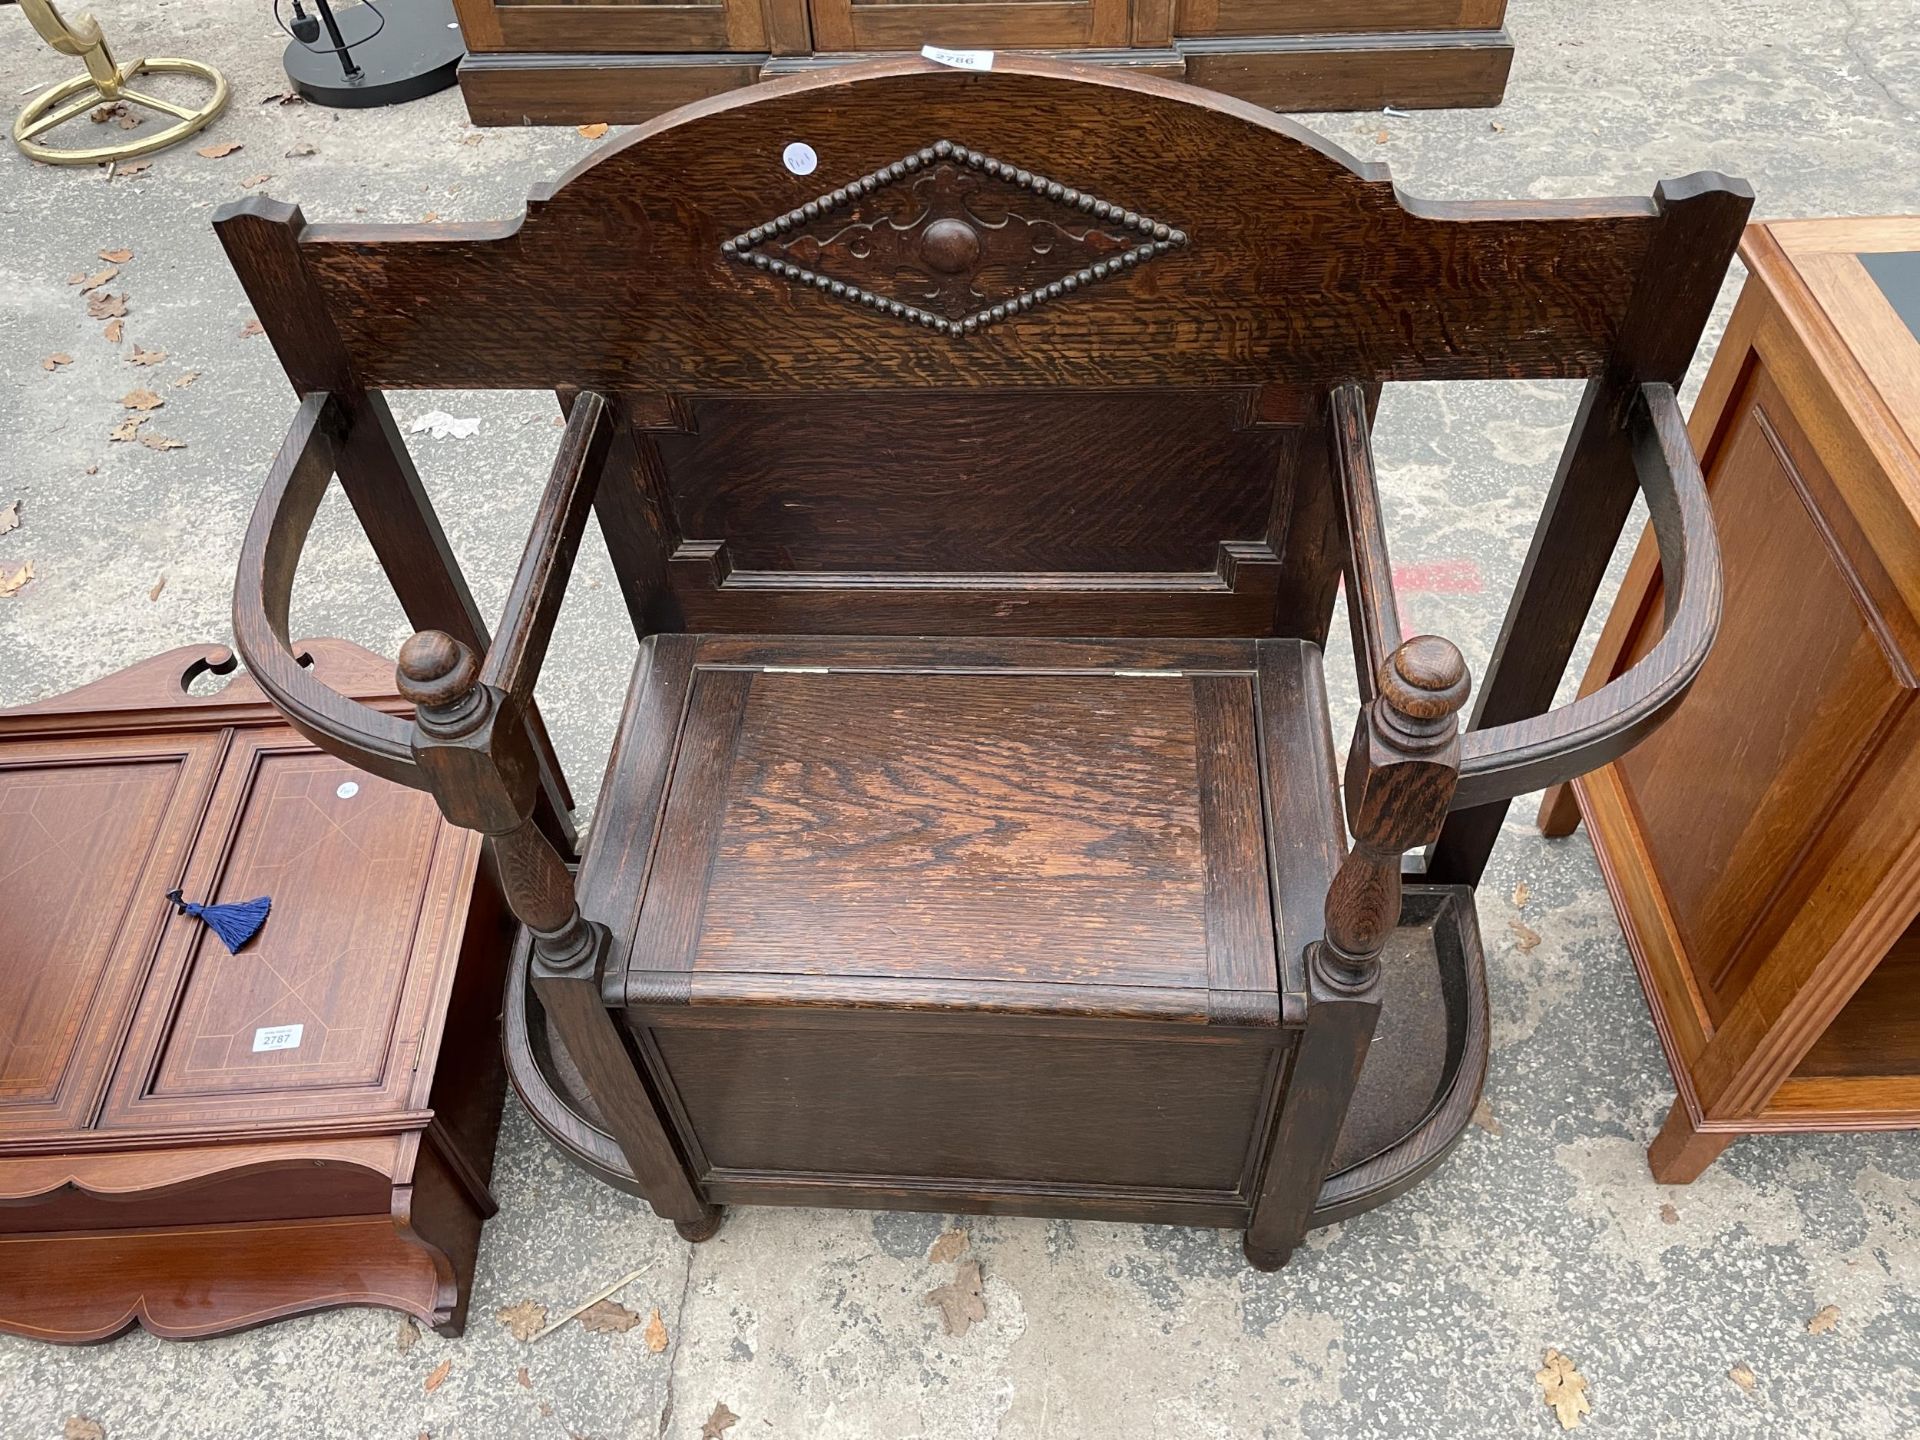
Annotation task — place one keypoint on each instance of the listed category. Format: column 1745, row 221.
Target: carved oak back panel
column 1032, row 351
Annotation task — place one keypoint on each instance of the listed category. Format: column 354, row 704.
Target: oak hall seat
column 972, row 839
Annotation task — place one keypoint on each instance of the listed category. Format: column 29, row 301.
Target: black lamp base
column 416, row 54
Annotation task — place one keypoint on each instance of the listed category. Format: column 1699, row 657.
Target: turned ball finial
column 436, row 671
column 1425, row 681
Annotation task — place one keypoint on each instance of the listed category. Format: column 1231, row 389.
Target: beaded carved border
column 943, row 246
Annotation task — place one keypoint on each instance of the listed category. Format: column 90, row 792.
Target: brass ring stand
column 105, row 83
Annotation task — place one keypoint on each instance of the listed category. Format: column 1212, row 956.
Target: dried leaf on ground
column 1669, row 1214
column 78, row 1427
column 285, row 97
column 1521, row 894
column 1484, row 1117
column 429, row 217
column 522, row 1320
column 115, row 329
column 1524, row 936
column 1563, row 1389
column 948, row 1247
column 442, row 426
column 716, row 1425
column 9, row 516
column 158, row 586
column 186, row 379
column 162, row 442
column 101, row 114
column 656, row 1332
column 1824, row 1319
column 102, row 306
column 1381, row 137
column 1742, row 1376
column 13, row 581
column 297, row 151
column 220, row 151
column 525, row 1380
column 255, row 180
column 607, row 1317
column 252, row 327
column 130, row 121
column 54, row 362
column 1495, row 125
column 116, row 257
column 130, row 169
column 960, row 1303
column 439, row 1375
column 594, row 132
column 127, row 429
column 146, row 357
column 141, row 399
column 408, row 1336
column 98, row 278
column 474, row 139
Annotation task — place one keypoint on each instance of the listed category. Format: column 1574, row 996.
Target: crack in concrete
column 1869, row 67
column 674, row 1345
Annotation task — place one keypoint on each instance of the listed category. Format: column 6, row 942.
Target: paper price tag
column 959, row 59
column 277, row 1037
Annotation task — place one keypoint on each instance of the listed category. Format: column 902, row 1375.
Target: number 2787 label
column 277, row 1037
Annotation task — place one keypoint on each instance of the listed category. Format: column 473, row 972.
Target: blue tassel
column 234, row 924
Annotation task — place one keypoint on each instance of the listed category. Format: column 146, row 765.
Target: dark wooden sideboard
column 558, row 62
column 1763, row 849
column 197, row 1141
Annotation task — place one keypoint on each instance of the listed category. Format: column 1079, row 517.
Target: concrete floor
column 1426, row 1318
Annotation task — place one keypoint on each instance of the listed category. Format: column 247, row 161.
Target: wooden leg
column 1559, row 813
column 1680, row 1153
column 1333, row 1047
column 592, row 1037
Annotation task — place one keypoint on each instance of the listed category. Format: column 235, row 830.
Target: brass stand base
column 106, row 83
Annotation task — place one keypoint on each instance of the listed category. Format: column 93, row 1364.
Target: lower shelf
column 1416, row 1095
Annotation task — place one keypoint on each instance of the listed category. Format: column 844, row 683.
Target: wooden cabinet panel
column 1323, row 17
column 988, row 24
column 342, row 861
column 632, row 26
column 81, row 836
column 1735, row 787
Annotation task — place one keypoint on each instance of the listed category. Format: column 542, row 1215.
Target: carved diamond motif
column 953, row 240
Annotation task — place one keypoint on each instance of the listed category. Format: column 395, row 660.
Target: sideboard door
column 840, row 25
column 563, row 26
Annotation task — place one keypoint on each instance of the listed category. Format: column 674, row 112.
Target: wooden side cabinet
column 1763, row 848
column 549, row 62
column 197, row 1141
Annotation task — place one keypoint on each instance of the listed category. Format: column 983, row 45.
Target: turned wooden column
column 475, row 750
column 1400, row 778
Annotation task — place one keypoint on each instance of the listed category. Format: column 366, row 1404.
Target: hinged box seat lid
column 1051, row 827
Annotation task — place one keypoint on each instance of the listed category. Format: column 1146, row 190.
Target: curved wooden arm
column 378, row 743
column 1509, row 760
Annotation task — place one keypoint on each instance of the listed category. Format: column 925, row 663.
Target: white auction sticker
column 799, row 157
column 959, row 59
column 348, row 789
column 277, row 1037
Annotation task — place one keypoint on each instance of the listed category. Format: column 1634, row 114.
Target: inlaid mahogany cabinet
column 1764, row 851
column 195, row 1140
column 972, row 838
column 547, row 62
